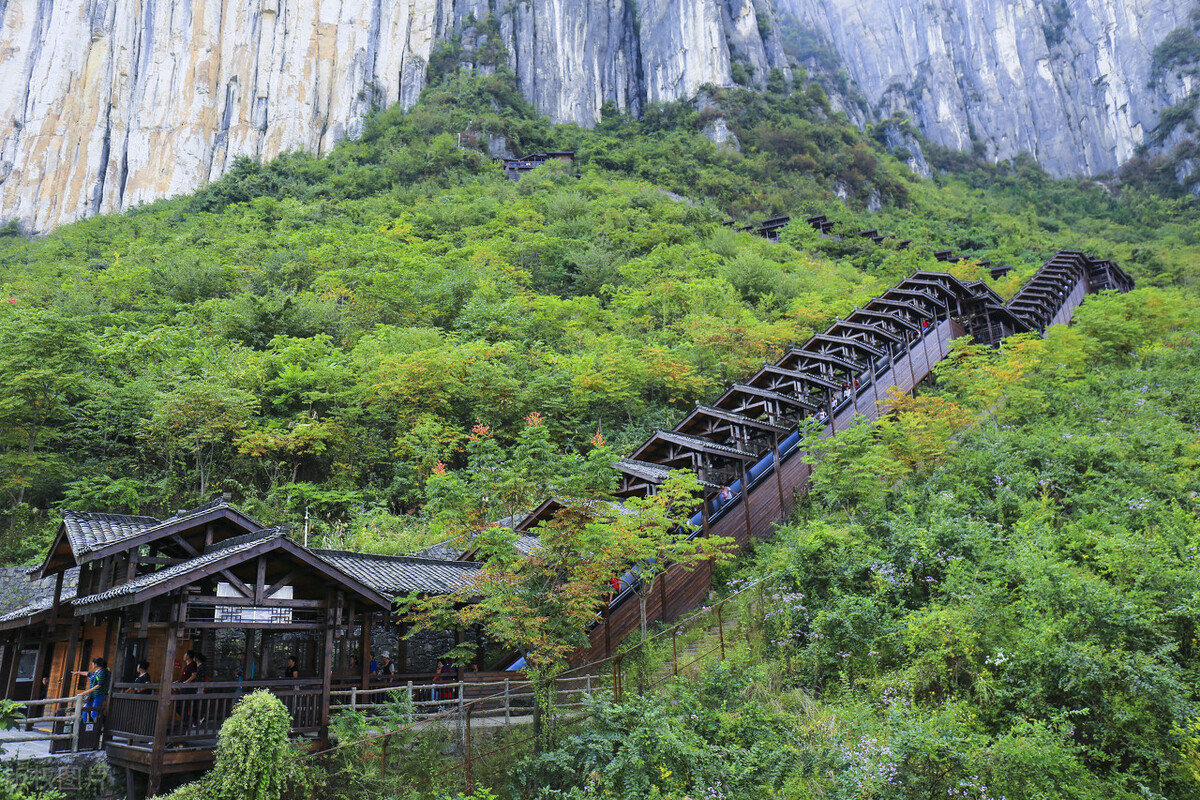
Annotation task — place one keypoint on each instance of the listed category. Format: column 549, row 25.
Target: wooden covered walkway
column 748, row 438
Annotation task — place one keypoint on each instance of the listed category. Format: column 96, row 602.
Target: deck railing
column 57, row 722
column 198, row 711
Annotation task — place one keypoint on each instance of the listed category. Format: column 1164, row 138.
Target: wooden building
column 514, row 168
column 213, row 581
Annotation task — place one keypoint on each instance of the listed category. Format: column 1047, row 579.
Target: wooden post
column 925, row 346
column 364, row 658
column 327, row 671
column 721, row 631
column 674, row 653
column 874, row 387
column 248, row 656
column 77, row 723
column 11, row 681
column 778, row 470
column 68, row 680
column 704, row 511
column 746, row 501
column 912, row 375
column 507, row 701
column 163, row 714
column 467, row 735
column 402, row 648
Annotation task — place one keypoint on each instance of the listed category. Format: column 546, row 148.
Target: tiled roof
column 17, row 590
column 88, row 531
column 215, row 553
column 646, row 470
column 398, row 575
column 698, row 442
column 526, row 544
column 30, row 609
column 442, row 551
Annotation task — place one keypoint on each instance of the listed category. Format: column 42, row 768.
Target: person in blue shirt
column 99, row 680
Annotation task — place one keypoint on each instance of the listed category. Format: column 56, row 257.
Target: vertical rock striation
column 1069, row 81
column 108, row 103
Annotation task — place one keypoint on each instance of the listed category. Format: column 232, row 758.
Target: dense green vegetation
column 319, row 333
column 1009, row 611
column 1015, row 618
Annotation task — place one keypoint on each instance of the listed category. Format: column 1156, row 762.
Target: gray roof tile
column 228, row 547
column 394, row 576
column 88, row 531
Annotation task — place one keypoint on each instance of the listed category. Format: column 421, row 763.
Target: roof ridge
column 412, row 559
column 106, row 515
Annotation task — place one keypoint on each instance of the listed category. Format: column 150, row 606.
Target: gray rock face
column 108, row 103
column 1065, row 80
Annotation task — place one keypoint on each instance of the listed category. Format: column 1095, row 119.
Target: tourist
column 386, row 667
column 190, row 669
column 724, row 496
column 97, row 691
column 293, row 669
column 142, row 676
column 201, row 668
column 446, row 672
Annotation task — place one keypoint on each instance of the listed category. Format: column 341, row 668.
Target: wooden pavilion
column 210, row 580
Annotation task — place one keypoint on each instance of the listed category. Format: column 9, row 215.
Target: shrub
column 252, row 754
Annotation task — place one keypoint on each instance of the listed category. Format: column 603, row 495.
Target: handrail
column 73, row 719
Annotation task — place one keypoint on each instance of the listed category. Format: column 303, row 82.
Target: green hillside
column 319, row 333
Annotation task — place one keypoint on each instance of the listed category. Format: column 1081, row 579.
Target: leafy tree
column 653, row 534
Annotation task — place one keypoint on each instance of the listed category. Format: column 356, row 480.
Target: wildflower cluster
column 870, row 763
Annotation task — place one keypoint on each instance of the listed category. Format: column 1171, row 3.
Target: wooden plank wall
column 1074, row 299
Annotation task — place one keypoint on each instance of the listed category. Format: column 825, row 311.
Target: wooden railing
column 500, row 694
column 198, row 711
column 58, row 722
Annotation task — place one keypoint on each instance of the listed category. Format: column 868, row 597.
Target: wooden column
column 925, row 346
column 778, row 469
column 874, row 386
column 364, row 644
column 162, row 717
column 746, row 500
column 68, row 679
column 11, row 682
column 607, row 631
column 401, row 659
column 912, row 375
column 248, row 656
column 327, row 671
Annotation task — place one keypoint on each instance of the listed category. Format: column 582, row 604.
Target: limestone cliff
column 108, row 103
column 1073, row 82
